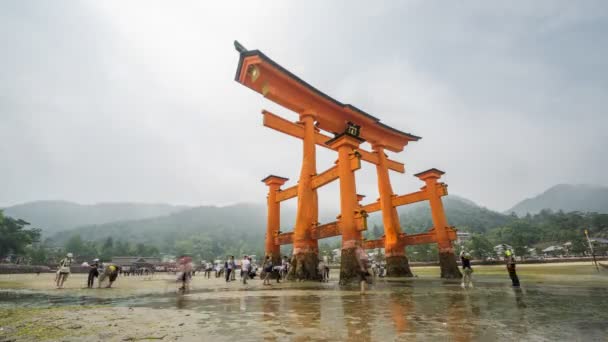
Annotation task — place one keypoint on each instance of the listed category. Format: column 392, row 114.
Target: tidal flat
column 556, row 302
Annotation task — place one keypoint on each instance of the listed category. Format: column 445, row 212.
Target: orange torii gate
column 351, row 126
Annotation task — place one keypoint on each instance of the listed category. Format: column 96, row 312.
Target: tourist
column 111, row 272
column 267, row 270
column 467, row 280
column 363, row 261
column 93, row 273
column 321, row 269
column 243, row 273
column 208, row 269
column 228, row 267
column 510, row 260
column 326, row 274
column 253, row 269
column 233, row 273
column 284, row 267
column 185, row 272
column 245, row 269
column 64, row 270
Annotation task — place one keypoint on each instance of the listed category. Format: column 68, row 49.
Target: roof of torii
column 265, row 76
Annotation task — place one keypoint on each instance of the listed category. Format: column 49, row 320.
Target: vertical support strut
column 273, row 222
column 351, row 237
column 305, row 248
column 397, row 264
column 447, row 257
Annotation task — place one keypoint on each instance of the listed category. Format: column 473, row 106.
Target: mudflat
column 556, row 302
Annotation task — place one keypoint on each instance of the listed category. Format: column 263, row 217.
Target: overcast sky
column 136, row 101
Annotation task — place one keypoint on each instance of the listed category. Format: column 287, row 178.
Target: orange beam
column 295, row 130
column 411, row 239
column 414, row 197
column 326, row 230
column 288, row 193
column 284, row 239
column 319, row 180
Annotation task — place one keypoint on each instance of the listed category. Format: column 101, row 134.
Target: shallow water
column 425, row 308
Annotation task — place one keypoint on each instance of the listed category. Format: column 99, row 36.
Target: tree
column 480, row 246
column 14, row 237
column 75, row 245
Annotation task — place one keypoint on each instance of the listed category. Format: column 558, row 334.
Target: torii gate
column 351, row 126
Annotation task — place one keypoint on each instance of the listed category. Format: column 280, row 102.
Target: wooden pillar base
column 304, row 266
column 447, row 262
column 398, row 266
column 349, row 266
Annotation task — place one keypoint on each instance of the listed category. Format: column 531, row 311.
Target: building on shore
column 131, row 263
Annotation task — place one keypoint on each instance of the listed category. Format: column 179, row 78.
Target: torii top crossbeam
column 262, row 74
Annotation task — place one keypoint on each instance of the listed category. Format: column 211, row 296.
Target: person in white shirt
column 245, row 268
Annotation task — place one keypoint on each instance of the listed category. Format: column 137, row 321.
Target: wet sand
column 566, row 302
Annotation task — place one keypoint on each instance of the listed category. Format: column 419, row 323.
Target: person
column 284, row 267
column 363, row 261
column 253, row 268
column 326, row 275
column 111, row 272
column 267, row 270
column 321, row 269
column 467, row 280
column 229, row 266
column 234, row 266
column 208, row 269
column 245, row 269
column 93, row 273
column 510, row 260
column 185, row 272
column 64, row 270
column 243, row 261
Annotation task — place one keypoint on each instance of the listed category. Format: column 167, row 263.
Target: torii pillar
column 397, row 264
column 447, row 257
column 306, row 249
column 273, row 223
column 346, row 145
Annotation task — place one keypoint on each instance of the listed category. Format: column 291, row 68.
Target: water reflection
column 400, row 307
column 358, row 314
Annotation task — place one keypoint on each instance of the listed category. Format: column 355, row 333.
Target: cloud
column 135, row 101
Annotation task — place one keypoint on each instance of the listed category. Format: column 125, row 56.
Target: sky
column 106, row 101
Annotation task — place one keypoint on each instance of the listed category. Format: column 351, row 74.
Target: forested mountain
column 566, row 197
column 461, row 213
column 55, row 216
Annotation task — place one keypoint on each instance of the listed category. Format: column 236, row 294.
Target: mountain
column 566, row 197
column 55, row 216
column 462, row 213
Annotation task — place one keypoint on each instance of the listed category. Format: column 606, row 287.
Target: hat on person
column 95, row 259
column 70, row 255
column 508, row 252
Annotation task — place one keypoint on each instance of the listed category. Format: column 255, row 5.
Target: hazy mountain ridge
column 566, row 197
column 55, row 216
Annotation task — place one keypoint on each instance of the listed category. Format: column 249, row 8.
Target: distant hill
column 462, row 213
column 55, row 216
column 566, row 197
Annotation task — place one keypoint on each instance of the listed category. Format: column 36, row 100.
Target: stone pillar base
column 447, row 262
column 304, row 267
column 398, row 266
column 349, row 266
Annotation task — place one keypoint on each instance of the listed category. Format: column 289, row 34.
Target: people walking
column 208, row 269
column 185, row 272
column 267, row 270
column 110, row 272
column 321, row 270
column 467, row 280
column 284, row 267
column 93, row 273
column 363, row 261
column 64, row 270
column 245, row 269
column 510, row 260
column 229, row 266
